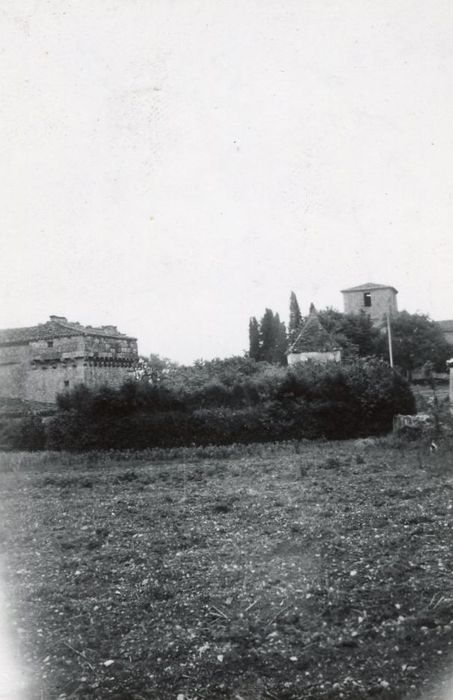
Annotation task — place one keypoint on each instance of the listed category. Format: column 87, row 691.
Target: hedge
column 304, row 401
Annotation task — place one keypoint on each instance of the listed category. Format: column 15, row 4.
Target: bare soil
column 320, row 571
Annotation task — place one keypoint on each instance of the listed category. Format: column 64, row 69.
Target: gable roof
column 57, row 327
column 369, row 286
column 313, row 337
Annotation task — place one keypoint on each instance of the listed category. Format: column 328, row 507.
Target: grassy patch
column 296, row 571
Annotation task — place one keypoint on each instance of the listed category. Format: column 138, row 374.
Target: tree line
column 219, row 402
column 417, row 339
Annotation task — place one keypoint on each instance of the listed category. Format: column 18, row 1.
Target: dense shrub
column 22, row 433
column 305, row 401
column 131, row 397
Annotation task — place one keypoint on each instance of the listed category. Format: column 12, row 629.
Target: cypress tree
column 295, row 319
column 267, row 336
column 280, row 341
column 254, row 339
column 273, row 341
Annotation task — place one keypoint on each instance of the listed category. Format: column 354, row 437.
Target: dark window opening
column 50, row 343
column 367, row 299
column 66, row 382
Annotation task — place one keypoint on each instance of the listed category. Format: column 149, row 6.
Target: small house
column 314, row 342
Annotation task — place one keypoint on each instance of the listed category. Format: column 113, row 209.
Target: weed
column 127, row 476
column 332, row 463
column 303, row 470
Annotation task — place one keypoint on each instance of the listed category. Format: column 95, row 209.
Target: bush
column 305, row 401
column 23, row 434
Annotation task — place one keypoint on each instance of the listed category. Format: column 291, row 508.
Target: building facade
column 376, row 300
column 39, row 362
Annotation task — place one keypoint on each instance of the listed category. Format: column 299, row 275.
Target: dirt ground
column 307, row 571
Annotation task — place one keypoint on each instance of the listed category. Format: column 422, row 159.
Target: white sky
column 175, row 166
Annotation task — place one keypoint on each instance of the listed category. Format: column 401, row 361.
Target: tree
column 154, row 369
column 417, row 340
column 355, row 333
column 273, row 341
column 295, row 319
column 254, row 339
column 365, row 338
column 281, row 342
column 267, row 336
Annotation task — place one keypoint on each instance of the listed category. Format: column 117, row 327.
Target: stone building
column 39, row 362
column 374, row 299
column 314, row 343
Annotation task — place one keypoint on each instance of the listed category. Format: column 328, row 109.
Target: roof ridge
column 90, row 330
column 54, row 328
column 369, row 285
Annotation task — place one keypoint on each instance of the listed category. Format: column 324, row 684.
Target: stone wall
column 57, row 347
column 13, row 359
column 12, row 380
column 110, row 347
column 45, row 381
column 96, row 375
column 14, row 353
column 295, row 357
column 382, row 301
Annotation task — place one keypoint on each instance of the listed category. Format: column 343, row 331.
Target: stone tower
column 39, row 362
column 376, row 300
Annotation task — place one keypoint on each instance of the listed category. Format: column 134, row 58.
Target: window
column 66, row 383
column 50, row 343
column 367, row 299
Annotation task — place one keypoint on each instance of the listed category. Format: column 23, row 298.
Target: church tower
column 376, row 300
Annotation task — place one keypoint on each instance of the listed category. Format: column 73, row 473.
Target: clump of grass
column 224, row 504
column 129, row 475
column 48, row 460
column 303, row 471
column 439, row 462
column 332, row 463
column 64, row 482
column 134, row 459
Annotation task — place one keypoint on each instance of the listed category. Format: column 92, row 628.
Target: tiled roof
column 57, row 327
column 313, row 336
column 44, row 331
column 368, row 286
column 106, row 331
column 446, row 325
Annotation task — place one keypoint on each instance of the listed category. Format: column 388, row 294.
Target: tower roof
column 313, row 337
column 369, row 286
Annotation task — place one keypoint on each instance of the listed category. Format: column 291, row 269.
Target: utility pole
column 389, row 335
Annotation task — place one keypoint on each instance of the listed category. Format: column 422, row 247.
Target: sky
column 174, row 167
